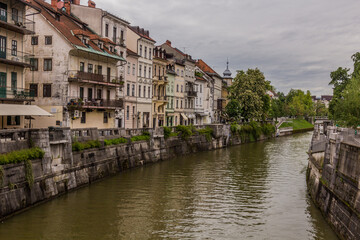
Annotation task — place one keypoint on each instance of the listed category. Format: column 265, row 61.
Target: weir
column 333, row 177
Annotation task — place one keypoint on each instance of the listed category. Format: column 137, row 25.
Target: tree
column 320, row 109
column 249, row 89
column 299, row 104
column 233, row 111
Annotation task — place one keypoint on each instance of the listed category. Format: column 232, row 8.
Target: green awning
column 105, row 54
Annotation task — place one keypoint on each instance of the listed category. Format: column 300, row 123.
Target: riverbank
column 333, row 177
column 66, row 166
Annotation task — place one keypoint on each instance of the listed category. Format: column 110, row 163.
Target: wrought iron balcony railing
column 96, row 78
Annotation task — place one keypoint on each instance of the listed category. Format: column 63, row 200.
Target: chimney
column 76, row 2
column 147, row 33
column 54, row 3
column 91, row 4
column 67, row 6
column 168, row 42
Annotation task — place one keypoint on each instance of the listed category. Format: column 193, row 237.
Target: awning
column 202, row 114
column 22, row 110
column 184, row 117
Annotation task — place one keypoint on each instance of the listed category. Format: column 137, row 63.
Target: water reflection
column 253, row 191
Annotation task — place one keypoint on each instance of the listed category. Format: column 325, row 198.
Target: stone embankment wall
column 333, row 178
column 62, row 170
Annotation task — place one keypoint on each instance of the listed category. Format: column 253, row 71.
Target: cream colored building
column 14, row 59
column 139, row 41
column 74, row 71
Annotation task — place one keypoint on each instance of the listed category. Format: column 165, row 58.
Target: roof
column 129, row 52
column 205, row 68
column 200, row 78
column 141, row 32
column 326, row 97
column 70, row 26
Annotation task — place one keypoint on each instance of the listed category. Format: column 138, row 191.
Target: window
column 99, row 68
column 127, row 112
column 114, row 34
column 133, row 111
column 144, row 92
column 81, row 92
column 13, row 81
column 99, row 94
column 181, row 105
column 140, row 51
column 133, row 90
column 106, row 117
column 14, row 47
column 90, row 93
column 34, row 62
column 177, row 71
column 33, row 89
column 48, row 40
column 128, row 89
column 106, row 30
column 149, row 72
column 186, row 103
column 145, row 52
column 35, row 40
column 133, row 70
column 200, row 88
column 149, row 92
column 128, row 68
column 47, row 64
column 82, row 67
column 139, row 91
column 13, row 120
column 182, row 73
column 150, row 53
column 177, row 103
column 121, row 36
column 90, row 68
column 140, row 68
column 83, row 117
column 15, row 15
column 144, row 71
column 182, row 88
column 154, row 107
column 177, row 87
column 47, row 90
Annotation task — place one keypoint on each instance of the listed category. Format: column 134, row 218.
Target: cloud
column 295, row 43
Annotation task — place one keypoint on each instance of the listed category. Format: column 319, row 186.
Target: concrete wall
column 333, row 179
column 62, row 170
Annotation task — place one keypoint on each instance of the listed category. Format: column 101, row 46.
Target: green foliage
column 268, row 129
column 115, row 141
column 249, row 90
column 184, row 131
column 140, row 138
column 233, row 110
column 207, row 132
column 297, row 124
column 252, row 131
column 21, row 156
column 1, row 176
column 167, row 132
column 78, row 146
column 199, row 74
column 299, row 103
column 29, row 173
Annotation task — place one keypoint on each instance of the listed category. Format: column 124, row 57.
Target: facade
column 216, row 89
column 170, row 90
column 110, row 27
column 204, row 100
column 74, row 70
column 130, row 86
column 139, row 41
column 160, row 82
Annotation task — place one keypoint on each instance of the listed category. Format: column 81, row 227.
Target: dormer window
column 101, row 45
column 85, row 41
column 111, row 48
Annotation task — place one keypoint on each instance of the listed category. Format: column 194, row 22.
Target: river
column 252, row 191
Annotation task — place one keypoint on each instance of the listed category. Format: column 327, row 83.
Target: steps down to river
column 333, row 177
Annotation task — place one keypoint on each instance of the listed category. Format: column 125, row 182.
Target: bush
column 78, row 146
column 167, row 132
column 207, row 132
column 140, row 138
column 184, row 131
column 268, row 129
column 115, row 141
column 21, row 156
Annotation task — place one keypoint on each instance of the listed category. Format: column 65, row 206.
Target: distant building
column 325, row 99
column 272, row 94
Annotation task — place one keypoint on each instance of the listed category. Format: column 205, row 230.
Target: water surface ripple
column 252, row 191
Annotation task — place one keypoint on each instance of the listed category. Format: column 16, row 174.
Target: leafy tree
column 298, row 103
column 249, row 89
column 233, row 110
column 320, row 109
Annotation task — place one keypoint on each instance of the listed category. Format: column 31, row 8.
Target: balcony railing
column 96, row 78
column 191, row 94
column 160, row 98
column 16, row 94
column 14, row 57
column 78, row 103
column 17, row 23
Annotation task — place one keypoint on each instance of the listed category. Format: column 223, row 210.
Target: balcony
column 17, row 23
column 191, row 93
column 16, row 94
column 160, row 98
column 16, row 58
column 160, row 80
column 94, row 78
column 77, row 103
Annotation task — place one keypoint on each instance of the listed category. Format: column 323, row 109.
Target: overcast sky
column 295, row 43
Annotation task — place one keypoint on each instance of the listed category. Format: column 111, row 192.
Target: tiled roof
column 69, row 26
column 132, row 53
column 204, row 67
column 141, row 33
column 200, row 78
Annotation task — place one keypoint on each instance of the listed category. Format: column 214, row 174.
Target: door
column 2, row 47
column 3, row 12
column 2, row 85
column 90, row 95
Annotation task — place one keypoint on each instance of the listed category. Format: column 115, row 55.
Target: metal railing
column 95, row 77
column 95, row 103
column 15, row 56
column 191, row 93
column 18, row 21
column 16, row 93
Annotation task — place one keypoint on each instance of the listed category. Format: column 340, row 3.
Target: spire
column 227, row 73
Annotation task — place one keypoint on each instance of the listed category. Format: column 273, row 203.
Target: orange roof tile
column 139, row 31
column 204, row 67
